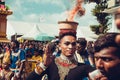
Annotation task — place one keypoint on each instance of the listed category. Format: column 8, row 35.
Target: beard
column 114, row 73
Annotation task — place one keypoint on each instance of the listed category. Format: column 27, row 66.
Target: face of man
column 13, row 45
column 68, row 45
column 108, row 63
column 80, row 48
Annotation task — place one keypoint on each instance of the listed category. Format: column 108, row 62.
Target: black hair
column 82, row 41
column 16, row 42
column 105, row 41
column 37, row 50
column 41, row 52
column 66, row 34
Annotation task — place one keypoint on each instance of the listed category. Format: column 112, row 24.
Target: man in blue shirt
column 17, row 57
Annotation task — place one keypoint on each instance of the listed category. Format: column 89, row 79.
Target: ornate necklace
column 64, row 65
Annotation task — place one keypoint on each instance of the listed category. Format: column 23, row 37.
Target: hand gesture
column 48, row 55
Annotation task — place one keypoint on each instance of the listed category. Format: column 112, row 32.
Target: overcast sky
column 47, row 11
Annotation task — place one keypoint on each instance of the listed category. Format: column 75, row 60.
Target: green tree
column 102, row 18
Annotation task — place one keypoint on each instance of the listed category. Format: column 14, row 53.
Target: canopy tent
column 9, row 31
column 36, row 34
column 20, row 27
column 30, row 35
column 17, row 27
column 43, row 37
column 29, row 30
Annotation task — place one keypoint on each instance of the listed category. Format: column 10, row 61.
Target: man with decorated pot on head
column 58, row 68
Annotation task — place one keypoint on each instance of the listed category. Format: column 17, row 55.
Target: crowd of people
column 74, row 60
column 21, row 57
column 68, row 58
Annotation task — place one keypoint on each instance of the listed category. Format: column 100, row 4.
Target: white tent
column 51, row 29
column 22, row 28
column 33, row 32
column 36, row 34
column 19, row 27
column 9, row 31
column 28, row 30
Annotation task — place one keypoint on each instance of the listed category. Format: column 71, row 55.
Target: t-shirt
column 18, row 55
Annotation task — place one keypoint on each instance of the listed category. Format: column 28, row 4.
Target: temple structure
column 113, row 5
column 4, row 12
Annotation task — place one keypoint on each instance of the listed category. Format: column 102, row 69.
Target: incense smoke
column 78, row 9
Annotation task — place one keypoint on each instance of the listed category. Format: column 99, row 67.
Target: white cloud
column 52, row 18
column 30, row 18
column 88, row 19
column 65, row 4
column 17, row 8
column 17, row 5
column 11, row 17
column 56, row 2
